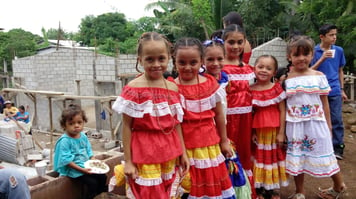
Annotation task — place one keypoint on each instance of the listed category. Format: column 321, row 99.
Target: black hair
column 268, row 56
column 324, row 29
column 303, row 44
column 231, row 29
column 183, row 43
column 70, row 112
column 22, row 107
column 151, row 36
column 213, row 42
column 281, row 72
column 218, row 33
column 233, row 18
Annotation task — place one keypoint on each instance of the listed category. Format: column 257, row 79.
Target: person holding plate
column 73, row 150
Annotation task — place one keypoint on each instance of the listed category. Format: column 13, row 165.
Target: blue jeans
column 13, row 185
column 335, row 104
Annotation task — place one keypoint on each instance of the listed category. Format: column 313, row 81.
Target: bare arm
column 325, row 102
column 221, row 128
column 341, row 79
column 78, row 168
column 282, row 122
column 326, row 54
column 130, row 169
column 184, row 161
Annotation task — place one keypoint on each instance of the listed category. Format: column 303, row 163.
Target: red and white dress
column 209, row 175
column 239, row 111
column 269, row 169
column 155, row 144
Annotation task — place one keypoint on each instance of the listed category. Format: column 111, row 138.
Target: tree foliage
column 95, row 31
column 17, row 43
column 342, row 13
column 263, row 20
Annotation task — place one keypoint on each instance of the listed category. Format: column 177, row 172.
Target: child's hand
column 130, row 170
column 280, row 138
column 254, row 138
column 226, row 149
column 184, row 164
column 86, row 171
column 327, row 54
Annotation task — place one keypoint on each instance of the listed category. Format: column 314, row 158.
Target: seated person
column 13, row 184
column 22, row 115
column 10, row 111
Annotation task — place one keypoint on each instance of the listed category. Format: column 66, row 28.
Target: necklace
column 185, row 101
column 156, row 110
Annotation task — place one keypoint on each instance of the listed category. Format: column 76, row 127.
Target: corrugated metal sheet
column 8, row 149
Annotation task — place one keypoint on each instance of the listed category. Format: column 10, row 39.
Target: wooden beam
column 48, row 93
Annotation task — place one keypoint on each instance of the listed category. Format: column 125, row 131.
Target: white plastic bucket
column 41, row 168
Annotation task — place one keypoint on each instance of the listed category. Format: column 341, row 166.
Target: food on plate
column 97, row 164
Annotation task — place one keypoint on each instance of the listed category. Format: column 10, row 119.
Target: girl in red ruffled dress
column 239, row 98
column 203, row 124
column 151, row 115
column 269, row 169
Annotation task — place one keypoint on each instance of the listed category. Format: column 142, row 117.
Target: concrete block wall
column 276, row 47
column 127, row 64
column 57, row 71
column 53, row 70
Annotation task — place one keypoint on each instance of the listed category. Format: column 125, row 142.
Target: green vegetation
column 263, row 20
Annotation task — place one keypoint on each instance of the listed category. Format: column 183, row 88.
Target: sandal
column 297, row 196
column 330, row 193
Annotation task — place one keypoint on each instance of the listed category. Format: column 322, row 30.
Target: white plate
column 90, row 164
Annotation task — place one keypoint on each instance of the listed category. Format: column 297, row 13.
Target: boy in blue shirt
column 330, row 60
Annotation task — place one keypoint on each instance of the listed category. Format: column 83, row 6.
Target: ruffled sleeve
column 308, row 84
column 136, row 102
column 214, row 94
column 268, row 97
column 324, row 85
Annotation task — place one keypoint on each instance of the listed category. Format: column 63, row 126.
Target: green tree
column 108, row 25
column 202, row 11
column 17, row 43
column 315, row 13
column 53, row 33
column 176, row 19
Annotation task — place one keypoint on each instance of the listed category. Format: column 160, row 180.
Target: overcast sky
column 32, row 15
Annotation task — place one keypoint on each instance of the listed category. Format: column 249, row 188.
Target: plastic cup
column 41, row 168
column 333, row 52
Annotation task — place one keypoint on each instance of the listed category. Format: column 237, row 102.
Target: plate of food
column 97, row 166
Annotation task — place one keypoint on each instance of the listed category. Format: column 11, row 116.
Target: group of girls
column 184, row 127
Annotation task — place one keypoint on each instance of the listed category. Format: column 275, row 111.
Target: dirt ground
column 348, row 164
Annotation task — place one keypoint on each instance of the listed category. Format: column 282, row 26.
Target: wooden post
column 78, row 86
column 51, row 130
column 6, row 74
column 352, row 87
column 111, row 125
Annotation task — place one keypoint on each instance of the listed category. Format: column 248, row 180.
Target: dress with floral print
column 305, row 111
column 306, row 144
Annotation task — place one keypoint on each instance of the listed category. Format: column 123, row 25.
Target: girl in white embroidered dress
column 308, row 124
column 151, row 115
